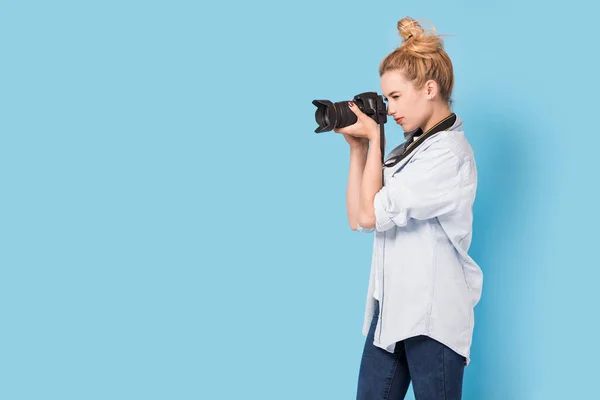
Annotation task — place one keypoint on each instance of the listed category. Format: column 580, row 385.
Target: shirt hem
column 466, row 355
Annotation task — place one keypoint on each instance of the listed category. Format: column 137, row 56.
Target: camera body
column 338, row 115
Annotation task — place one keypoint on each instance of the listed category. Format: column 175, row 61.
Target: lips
column 399, row 119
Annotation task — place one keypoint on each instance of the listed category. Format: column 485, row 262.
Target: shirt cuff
column 385, row 220
column 362, row 229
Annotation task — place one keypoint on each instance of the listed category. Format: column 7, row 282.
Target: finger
column 360, row 116
column 352, row 130
column 346, row 130
column 356, row 110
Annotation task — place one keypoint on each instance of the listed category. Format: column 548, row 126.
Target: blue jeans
column 436, row 371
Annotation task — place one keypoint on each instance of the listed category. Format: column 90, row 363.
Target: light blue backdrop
column 171, row 226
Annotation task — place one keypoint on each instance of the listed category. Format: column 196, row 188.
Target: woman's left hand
column 365, row 127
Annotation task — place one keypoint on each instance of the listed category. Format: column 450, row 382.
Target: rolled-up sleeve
column 363, row 229
column 427, row 187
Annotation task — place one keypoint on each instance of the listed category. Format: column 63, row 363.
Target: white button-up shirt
column 420, row 269
column 376, row 294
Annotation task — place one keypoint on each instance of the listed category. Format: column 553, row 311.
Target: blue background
column 171, row 227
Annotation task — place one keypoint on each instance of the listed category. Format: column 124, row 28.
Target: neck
column 436, row 117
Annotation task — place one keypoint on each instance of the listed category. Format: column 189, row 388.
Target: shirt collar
column 414, row 134
column 415, row 137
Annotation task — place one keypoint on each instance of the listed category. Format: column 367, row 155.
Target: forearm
column 371, row 183
column 358, row 158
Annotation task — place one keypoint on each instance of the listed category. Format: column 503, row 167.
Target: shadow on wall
column 506, row 174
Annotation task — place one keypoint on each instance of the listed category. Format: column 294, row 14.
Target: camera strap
column 382, row 145
column 443, row 125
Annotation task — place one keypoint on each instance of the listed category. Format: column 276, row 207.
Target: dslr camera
column 338, row 115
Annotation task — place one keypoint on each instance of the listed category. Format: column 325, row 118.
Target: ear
column 431, row 89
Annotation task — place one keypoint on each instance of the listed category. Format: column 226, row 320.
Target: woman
column 423, row 285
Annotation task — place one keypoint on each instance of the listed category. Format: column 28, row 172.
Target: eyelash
column 393, row 97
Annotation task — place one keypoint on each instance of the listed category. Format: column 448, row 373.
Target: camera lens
column 333, row 115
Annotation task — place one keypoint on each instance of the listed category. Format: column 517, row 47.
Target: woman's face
column 407, row 105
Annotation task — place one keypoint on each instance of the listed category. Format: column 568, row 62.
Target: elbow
column 367, row 221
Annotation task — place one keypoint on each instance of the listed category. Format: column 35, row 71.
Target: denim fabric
column 435, row 370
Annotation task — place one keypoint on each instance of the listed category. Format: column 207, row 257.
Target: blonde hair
column 421, row 57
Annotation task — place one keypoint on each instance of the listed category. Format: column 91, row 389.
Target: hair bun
column 421, row 42
column 408, row 27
